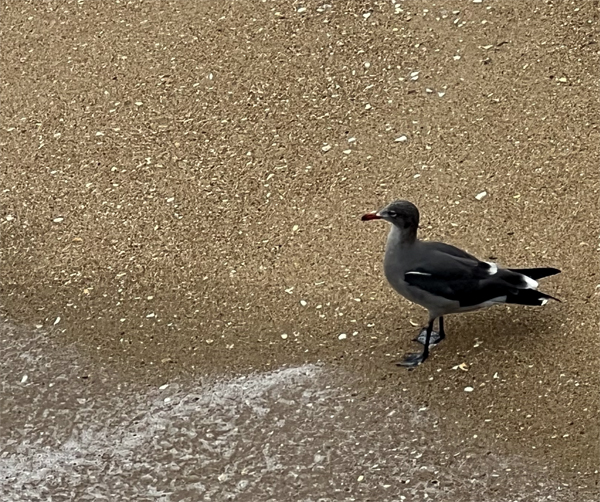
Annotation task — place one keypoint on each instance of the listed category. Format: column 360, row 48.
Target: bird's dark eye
column 392, row 214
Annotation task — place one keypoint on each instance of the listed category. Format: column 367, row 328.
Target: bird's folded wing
column 448, row 249
column 467, row 281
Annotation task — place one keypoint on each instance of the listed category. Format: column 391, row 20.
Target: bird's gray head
column 401, row 213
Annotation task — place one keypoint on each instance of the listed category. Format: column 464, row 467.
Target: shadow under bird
column 445, row 279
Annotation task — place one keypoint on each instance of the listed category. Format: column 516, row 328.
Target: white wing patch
column 544, row 301
column 414, row 272
column 493, row 268
column 530, row 283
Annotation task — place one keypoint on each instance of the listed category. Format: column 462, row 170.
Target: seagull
column 445, row 279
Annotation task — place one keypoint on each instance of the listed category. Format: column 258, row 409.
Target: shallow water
column 74, row 432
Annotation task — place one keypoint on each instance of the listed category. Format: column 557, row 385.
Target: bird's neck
column 401, row 237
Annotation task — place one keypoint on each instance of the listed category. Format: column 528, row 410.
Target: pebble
column 342, row 336
column 481, row 195
column 401, row 139
column 469, row 389
column 58, row 220
column 284, row 336
column 326, row 148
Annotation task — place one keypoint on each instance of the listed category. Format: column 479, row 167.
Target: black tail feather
column 529, row 297
column 536, row 273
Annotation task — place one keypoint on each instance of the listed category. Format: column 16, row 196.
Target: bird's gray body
column 399, row 260
column 419, row 270
column 394, row 268
column 445, row 279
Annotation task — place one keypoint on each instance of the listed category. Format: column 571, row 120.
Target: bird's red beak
column 371, row 216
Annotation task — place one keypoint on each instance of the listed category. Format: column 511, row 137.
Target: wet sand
column 182, row 185
column 296, row 433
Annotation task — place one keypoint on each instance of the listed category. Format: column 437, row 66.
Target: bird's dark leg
column 412, row 360
column 436, row 336
column 441, row 332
